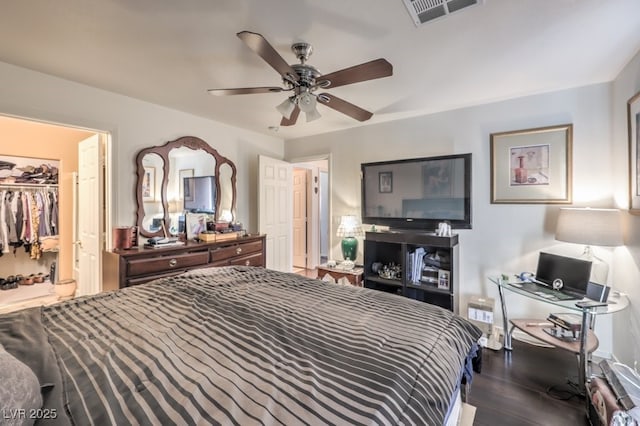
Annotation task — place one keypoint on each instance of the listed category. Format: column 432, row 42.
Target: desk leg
column 505, row 321
column 583, row 373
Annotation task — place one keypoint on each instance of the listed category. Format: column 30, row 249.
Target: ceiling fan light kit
column 286, row 107
column 313, row 115
column 304, row 80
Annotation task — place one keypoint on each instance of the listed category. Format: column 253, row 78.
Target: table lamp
column 349, row 229
column 591, row 227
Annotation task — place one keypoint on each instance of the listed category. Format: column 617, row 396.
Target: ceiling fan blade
column 261, row 46
column 371, row 70
column 244, row 91
column 344, row 107
column 292, row 120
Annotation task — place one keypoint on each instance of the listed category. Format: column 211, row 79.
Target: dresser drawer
column 160, row 264
column 254, row 259
column 223, row 253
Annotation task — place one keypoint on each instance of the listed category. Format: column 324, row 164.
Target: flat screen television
column 200, row 194
column 418, row 193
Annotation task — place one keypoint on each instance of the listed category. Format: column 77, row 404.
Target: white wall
column 134, row 125
column 504, row 238
column 627, row 262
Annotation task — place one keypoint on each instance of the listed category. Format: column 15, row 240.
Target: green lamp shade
column 349, row 248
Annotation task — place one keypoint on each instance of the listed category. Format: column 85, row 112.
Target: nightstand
column 354, row 276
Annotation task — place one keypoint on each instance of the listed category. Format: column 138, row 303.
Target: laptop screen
column 573, row 272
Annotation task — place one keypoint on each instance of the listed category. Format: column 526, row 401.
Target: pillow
column 19, row 391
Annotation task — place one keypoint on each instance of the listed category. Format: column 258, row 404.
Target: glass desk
column 615, row 303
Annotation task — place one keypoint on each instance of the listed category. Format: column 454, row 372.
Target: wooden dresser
column 124, row 268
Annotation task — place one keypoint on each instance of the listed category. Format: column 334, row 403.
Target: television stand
column 414, row 264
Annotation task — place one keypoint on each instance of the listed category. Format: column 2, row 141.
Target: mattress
column 244, row 345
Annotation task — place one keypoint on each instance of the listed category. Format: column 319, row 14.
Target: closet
column 44, row 143
column 29, row 241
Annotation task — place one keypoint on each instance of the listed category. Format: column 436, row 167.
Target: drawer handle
column 239, row 250
column 173, row 262
column 247, row 263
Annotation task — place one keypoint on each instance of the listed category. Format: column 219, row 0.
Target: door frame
column 107, row 137
column 307, row 208
column 313, row 244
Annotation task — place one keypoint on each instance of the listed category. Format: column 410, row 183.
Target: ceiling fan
column 303, row 80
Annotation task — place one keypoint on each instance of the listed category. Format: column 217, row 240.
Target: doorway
column 311, row 213
column 34, row 138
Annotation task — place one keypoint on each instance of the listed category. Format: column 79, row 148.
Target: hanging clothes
column 4, row 231
column 29, row 218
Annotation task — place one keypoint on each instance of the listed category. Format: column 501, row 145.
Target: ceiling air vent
column 423, row 11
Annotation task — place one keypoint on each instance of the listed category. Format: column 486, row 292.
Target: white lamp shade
column 286, row 108
column 349, row 227
column 225, row 216
column 592, row 227
column 306, row 102
column 313, row 115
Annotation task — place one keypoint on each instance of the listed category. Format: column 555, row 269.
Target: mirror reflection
column 191, row 184
column 196, row 178
column 226, row 205
column 151, row 185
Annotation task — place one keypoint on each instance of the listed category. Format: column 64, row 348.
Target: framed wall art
column 532, row 166
column 633, row 117
column 385, row 182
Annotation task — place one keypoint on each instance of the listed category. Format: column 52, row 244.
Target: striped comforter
column 243, row 346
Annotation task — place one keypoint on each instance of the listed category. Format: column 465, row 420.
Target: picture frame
column 149, row 184
column 385, row 182
column 185, row 191
column 195, row 223
column 633, row 121
column 532, row 166
column 443, row 279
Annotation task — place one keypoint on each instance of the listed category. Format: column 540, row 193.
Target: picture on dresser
column 196, row 223
column 28, row 170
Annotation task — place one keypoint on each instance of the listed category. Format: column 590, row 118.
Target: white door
column 300, row 218
column 275, row 211
column 88, row 246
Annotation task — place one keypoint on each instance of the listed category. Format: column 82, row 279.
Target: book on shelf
column 414, row 265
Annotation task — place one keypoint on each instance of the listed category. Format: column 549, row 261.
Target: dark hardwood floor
column 513, row 388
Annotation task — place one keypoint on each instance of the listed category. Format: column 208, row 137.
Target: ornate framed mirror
column 182, row 175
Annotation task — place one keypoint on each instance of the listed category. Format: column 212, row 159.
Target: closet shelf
column 28, row 185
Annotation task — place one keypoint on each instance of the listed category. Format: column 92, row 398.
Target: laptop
column 574, row 273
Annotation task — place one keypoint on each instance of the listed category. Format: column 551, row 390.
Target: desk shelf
column 538, row 332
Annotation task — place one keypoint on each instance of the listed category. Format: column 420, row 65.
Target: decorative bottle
column 520, row 171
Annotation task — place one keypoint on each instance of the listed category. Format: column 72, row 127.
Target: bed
column 238, row 345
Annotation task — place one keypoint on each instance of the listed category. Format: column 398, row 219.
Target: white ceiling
column 169, row 52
